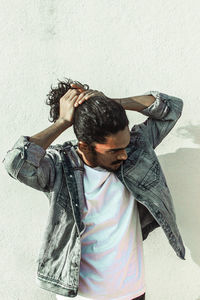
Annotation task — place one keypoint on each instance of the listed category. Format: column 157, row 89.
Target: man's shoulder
column 136, row 130
column 139, row 140
column 65, row 146
column 137, row 136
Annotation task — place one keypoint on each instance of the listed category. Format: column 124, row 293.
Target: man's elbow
column 180, row 106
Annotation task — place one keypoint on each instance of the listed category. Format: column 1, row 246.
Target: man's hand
column 67, row 103
column 74, row 97
column 85, row 94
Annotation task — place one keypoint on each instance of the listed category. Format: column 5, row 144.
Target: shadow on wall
column 183, row 177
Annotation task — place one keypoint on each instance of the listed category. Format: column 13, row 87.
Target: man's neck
column 83, row 158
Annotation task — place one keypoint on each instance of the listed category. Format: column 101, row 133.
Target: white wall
column 123, row 48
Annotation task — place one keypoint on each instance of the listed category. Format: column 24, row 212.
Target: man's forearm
column 137, row 103
column 47, row 136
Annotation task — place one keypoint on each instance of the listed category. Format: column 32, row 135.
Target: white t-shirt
column 112, row 262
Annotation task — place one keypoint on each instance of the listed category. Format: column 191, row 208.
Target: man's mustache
column 116, row 162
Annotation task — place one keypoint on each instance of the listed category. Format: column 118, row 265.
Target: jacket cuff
column 30, row 151
column 159, row 108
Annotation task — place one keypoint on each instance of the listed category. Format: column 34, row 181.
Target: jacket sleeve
column 31, row 164
column 162, row 114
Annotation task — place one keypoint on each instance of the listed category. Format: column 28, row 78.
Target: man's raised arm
column 163, row 112
column 28, row 161
column 136, row 103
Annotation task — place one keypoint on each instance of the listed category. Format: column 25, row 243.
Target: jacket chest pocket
column 143, row 169
column 151, row 178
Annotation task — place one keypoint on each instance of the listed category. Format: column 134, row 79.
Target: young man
column 106, row 190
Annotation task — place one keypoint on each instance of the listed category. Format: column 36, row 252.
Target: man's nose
column 122, row 155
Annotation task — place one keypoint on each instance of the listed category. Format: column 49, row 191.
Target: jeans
column 142, row 297
column 59, row 297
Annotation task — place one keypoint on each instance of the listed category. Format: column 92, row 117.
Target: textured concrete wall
column 123, row 48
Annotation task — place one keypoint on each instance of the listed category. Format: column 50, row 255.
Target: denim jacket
column 58, row 172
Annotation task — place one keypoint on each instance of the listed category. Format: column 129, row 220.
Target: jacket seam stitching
column 51, row 279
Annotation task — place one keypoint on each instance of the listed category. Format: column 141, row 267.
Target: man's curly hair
column 53, row 97
column 94, row 119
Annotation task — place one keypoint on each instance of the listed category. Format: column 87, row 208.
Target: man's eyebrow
column 116, row 149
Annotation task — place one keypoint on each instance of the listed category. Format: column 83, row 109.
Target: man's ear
column 83, row 147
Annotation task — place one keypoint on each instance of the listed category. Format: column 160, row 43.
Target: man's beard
column 95, row 161
column 109, row 169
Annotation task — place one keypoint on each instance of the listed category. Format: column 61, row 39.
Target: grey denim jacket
column 58, row 172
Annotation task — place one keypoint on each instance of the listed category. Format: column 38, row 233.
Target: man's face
column 111, row 154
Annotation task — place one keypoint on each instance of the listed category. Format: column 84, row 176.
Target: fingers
column 83, row 89
column 84, row 94
column 77, row 85
column 78, row 95
column 81, row 98
column 70, row 95
column 75, row 96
